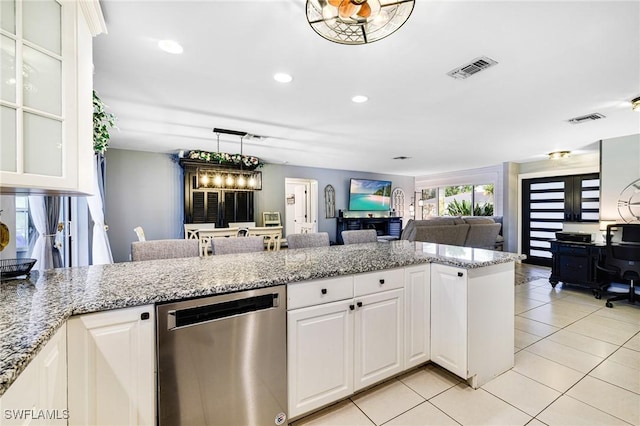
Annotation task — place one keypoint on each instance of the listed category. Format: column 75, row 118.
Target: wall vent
column 473, row 67
column 585, row 118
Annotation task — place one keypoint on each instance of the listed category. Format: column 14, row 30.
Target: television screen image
column 367, row 194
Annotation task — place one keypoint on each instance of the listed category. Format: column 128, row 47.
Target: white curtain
column 42, row 248
column 100, row 249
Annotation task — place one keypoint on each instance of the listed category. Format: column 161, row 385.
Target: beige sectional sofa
column 473, row 231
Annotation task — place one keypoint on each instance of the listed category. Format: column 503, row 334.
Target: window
column 458, row 200
column 24, row 230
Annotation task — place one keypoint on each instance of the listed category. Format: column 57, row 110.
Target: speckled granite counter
column 33, row 309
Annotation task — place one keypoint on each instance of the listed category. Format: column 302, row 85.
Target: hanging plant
column 226, row 159
column 102, row 122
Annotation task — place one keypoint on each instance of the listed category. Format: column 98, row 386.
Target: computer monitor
column 631, row 233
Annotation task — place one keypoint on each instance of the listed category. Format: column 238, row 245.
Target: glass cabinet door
column 31, row 87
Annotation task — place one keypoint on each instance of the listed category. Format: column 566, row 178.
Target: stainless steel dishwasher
column 222, row 359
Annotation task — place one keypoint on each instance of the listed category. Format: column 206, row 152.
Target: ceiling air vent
column 585, row 118
column 473, row 67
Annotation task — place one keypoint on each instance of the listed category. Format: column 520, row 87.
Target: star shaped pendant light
column 357, row 21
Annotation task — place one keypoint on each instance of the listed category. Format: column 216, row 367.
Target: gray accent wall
column 142, row 189
column 146, row 189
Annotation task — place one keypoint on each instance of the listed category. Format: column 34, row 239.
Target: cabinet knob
column 460, row 274
column 382, row 281
column 323, row 291
column 144, row 316
column 352, row 307
column 359, row 304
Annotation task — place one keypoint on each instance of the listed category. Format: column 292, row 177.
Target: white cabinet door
column 379, row 335
column 47, row 114
column 417, row 322
column 449, row 318
column 39, row 395
column 112, row 379
column 320, row 355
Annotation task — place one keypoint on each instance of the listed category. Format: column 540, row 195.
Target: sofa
column 471, row 231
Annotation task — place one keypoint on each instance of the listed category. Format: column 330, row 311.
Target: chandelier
column 248, row 180
column 357, row 21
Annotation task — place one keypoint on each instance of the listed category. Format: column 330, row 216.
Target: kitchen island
column 35, row 308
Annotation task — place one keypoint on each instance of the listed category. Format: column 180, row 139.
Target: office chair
column 622, row 260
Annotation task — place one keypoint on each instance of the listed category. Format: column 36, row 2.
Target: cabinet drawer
column 373, row 282
column 573, row 250
column 316, row 292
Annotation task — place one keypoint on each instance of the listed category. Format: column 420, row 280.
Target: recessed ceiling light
column 170, row 46
column 359, row 99
column 282, row 77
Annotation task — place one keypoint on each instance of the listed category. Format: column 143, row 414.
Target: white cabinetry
column 39, row 395
column 343, row 334
column 379, row 326
column 112, row 380
column 417, row 322
column 468, row 337
column 45, row 95
column 320, row 355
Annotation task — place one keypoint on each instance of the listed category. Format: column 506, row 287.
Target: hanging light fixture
column 241, row 179
column 357, row 21
column 635, row 104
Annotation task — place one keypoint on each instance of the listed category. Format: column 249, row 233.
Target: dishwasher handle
column 179, row 318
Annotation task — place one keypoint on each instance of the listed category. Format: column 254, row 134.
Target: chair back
column 140, row 233
column 360, row 236
column 237, row 245
column 164, row 249
column 306, row 228
column 624, row 256
column 318, row 239
column 272, row 236
column 207, row 236
column 191, row 229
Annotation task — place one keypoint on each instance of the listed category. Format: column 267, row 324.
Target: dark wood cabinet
column 219, row 206
column 575, row 263
column 391, row 226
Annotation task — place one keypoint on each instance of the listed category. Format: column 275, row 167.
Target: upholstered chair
column 237, row 245
column 164, row 249
column 317, row 239
column 360, row 236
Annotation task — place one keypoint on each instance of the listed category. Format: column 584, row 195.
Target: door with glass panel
column 548, row 203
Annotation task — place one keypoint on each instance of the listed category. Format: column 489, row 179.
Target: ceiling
column 556, row 60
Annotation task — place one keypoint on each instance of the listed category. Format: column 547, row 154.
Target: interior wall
column 620, row 167
column 142, row 189
column 146, row 189
column 273, row 197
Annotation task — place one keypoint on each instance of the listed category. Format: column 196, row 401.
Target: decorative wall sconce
column 229, row 179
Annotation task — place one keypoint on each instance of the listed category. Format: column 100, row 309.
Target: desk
column 575, row 263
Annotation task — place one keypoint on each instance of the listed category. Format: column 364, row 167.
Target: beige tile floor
column 577, row 363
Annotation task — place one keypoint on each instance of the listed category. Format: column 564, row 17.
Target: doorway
column 301, row 211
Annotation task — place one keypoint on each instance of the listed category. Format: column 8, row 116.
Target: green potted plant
column 102, row 122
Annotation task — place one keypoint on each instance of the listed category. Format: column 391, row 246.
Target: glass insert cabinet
column 45, row 96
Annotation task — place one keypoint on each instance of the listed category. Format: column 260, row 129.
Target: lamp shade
column 357, row 21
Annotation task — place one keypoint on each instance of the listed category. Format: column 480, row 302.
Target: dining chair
column 317, row 239
column 306, row 228
column 191, row 229
column 272, row 236
column 164, row 249
column 237, row 245
column 359, row 236
column 140, row 233
column 206, row 236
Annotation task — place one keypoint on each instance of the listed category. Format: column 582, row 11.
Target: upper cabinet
column 46, row 108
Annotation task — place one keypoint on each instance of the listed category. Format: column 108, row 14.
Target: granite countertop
column 32, row 309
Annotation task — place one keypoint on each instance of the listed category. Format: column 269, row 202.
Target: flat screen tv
column 368, row 194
